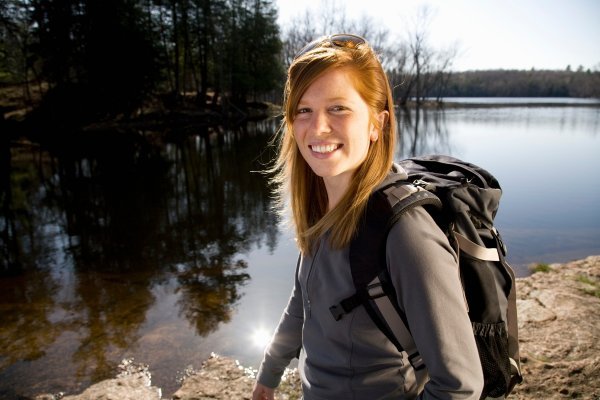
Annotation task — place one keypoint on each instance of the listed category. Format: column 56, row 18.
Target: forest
column 78, row 61
column 533, row 83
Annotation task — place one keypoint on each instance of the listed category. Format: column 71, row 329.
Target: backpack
column 463, row 200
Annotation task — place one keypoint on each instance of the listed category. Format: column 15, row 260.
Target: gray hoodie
column 351, row 358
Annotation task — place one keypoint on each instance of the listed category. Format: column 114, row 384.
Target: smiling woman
column 337, row 144
column 334, row 133
column 362, row 85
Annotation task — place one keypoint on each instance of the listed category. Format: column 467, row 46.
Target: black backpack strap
column 383, row 310
column 516, row 376
column 374, row 289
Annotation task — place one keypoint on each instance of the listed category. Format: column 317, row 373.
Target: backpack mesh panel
column 492, row 343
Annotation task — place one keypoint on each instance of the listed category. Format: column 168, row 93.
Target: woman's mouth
column 325, row 148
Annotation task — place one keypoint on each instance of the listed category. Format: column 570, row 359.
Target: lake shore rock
column 559, row 332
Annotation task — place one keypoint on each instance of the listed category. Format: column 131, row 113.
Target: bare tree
column 300, row 32
column 376, row 34
column 443, row 70
column 415, row 69
column 420, row 50
column 329, row 18
column 418, row 70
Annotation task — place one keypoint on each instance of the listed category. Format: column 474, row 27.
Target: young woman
column 336, row 147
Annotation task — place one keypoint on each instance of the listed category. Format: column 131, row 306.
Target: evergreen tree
column 98, row 58
column 253, row 49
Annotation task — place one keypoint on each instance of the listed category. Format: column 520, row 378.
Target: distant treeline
column 532, row 83
column 89, row 60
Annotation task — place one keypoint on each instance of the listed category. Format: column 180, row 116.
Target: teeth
column 324, row 148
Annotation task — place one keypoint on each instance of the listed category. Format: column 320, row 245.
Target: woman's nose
column 320, row 123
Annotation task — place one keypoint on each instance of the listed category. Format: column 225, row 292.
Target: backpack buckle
column 337, row 311
column 499, row 240
column 416, row 361
column 345, row 306
column 375, row 289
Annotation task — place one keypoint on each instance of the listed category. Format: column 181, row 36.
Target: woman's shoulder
column 415, row 224
column 417, row 239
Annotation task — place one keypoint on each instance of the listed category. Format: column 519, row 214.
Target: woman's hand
column 262, row 392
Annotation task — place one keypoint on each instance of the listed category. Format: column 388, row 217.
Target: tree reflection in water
column 86, row 234
column 422, row 131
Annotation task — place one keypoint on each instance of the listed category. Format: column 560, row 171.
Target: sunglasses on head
column 345, row 40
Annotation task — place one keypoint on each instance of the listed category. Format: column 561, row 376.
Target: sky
column 490, row 34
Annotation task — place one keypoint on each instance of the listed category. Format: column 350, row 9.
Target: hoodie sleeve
column 424, row 271
column 286, row 341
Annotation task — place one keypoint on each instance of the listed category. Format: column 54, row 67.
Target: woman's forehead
column 332, row 84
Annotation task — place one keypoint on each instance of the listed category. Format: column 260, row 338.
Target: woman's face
column 332, row 128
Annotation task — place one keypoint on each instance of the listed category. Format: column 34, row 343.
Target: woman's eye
column 302, row 111
column 338, row 108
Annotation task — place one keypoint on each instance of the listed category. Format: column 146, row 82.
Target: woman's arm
column 424, row 270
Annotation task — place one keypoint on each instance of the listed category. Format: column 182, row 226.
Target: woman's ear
column 382, row 119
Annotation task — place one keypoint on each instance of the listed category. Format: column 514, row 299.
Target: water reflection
column 145, row 243
column 27, row 302
column 422, row 131
column 87, row 233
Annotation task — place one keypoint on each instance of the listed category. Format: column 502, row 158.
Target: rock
column 219, row 378
column 559, row 328
column 123, row 388
column 224, row 378
column 132, row 383
column 530, row 310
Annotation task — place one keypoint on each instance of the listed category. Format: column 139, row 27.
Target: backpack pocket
column 492, row 344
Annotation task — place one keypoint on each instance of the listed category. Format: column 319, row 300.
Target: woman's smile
column 324, row 149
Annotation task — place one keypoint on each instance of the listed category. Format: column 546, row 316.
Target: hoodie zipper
column 308, row 276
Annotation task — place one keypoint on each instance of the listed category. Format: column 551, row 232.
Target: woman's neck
column 336, row 188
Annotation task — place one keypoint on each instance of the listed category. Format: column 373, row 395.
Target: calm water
column 163, row 248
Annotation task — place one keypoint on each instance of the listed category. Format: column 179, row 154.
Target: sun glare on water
column 261, row 337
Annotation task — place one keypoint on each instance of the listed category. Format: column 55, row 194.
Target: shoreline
column 554, row 300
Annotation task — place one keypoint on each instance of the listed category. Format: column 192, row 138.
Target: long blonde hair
column 294, row 181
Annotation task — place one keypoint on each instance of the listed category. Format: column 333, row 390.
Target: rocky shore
column 559, row 328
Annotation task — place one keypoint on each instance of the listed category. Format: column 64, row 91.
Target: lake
column 162, row 246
